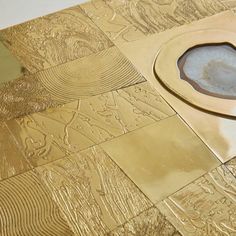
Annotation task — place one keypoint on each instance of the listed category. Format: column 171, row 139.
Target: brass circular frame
column 167, row 70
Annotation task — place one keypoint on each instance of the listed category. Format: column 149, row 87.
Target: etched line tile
column 94, row 194
column 231, row 165
column 205, row 207
column 26, row 208
column 229, row 3
column 54, row 39
column 149, row 223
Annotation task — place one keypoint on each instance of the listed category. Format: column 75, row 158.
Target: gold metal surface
column 231, row 165
column 165, row 157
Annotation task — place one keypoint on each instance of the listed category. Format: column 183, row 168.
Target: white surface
column 13, row 12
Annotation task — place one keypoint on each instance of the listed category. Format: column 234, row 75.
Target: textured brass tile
column 205, row 207
column 12, row 162
column 27, row 209
column 149, row 223
column 161, row 158
column 98, row 73
column 52, row 134
column 231, row 165
column 54, row 39
column 129, row 20
column 229, row 3
column 94, row 194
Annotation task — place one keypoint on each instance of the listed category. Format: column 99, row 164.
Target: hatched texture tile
column 149, row 223
column 205, row 207
column 128, row 20
column 54, row 39
column 229, row 3
column 161, row 158
column 231, row 165
column 26, row 208
column 94, row 194
column 12, row 162
column 78, row 125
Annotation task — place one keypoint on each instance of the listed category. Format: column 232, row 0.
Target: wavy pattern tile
column 96, row 74
column 205, row 207
column 149, row 223
column 94, row 194
column 12, row 162
column 54, row 39
column 57, row 132
column 231, row 165
column 27, row 209
column 128, row 20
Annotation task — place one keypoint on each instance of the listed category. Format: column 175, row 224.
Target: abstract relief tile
column 162, row 157
column 12, row 161
column 205, row 207
column 26, row 208
column 98, row 73
column 229, row 3
column 94, row 194
column 128, row 20
column 231, row 165
column 54, row 39
column 52, row 134
column 149, row 223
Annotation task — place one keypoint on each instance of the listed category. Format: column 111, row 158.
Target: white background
column 17, row 11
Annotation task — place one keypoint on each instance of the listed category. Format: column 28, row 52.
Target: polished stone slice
column 12, row 162
column 149, row 223
column 205, row 207
column 162, row 157
column 93, row 193
column 231, row 165
column 54, row 39
column 27, row 209
column 213, row 68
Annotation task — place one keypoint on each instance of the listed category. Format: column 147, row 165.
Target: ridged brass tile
column 229, row 3
column 94, row 194
column 27, row 209
column 231, row 165
column 96, row 74
column 12, row 162
column 162, row 157
column 129, row 20
column 54, row 39
column 52, row 134
column 205, row 207
column 149, row 223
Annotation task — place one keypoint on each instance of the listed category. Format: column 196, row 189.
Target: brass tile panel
column 231, row 165
column 12, row 162
column 161, row 158
column 149, row 223
column 27, row 209
column 229, row 3
column 52, row 134
column 96, row 74
column 129, row 20
column 205, row 207
column 94, row 194
column 54, row 39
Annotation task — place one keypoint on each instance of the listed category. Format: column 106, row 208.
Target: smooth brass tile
column 54, row 39
column 27, row 209
column 205, row 207
column 57, row 132
column 94, row 194
column 129, row 20
column 150, row 223
column 231, row 165
column 12, row 162
column 96, row 74
column 161, row 158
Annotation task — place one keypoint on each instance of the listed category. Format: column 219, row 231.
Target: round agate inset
column 210, row 69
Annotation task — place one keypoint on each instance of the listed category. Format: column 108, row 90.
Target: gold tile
column 27, row 209
column 12, row 162
column 54, row 39
column 231, row 165
column 129, row 20
column 205, row 207
column 161, row 158
column 149, row 223
column 94, row 194
column 96, row 74
column 57, row 132
column 229, row 3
